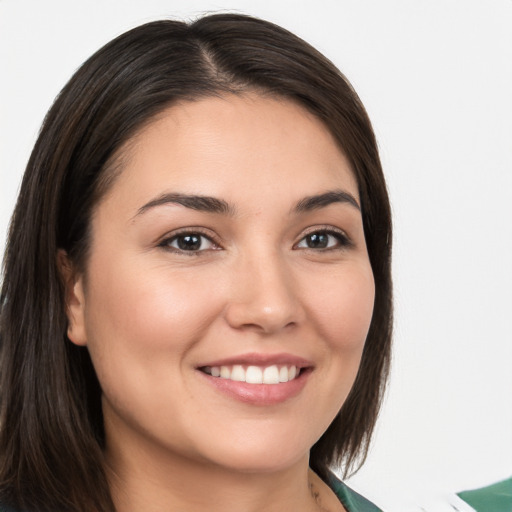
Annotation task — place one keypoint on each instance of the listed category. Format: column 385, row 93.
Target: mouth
column 258, row 379
column 273, row 374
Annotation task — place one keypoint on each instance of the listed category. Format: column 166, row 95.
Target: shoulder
column 351, row 500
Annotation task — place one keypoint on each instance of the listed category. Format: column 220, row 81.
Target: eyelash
column 342, row 241
column 166, row 242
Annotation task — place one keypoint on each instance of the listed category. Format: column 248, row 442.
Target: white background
column 436, row 78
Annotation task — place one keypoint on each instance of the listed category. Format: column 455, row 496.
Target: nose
column 264, row 296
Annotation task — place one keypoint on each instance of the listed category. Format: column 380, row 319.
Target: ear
column 74, row 297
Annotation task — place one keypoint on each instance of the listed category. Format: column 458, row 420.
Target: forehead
column 235, row 144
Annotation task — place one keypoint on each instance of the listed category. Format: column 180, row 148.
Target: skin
column 151, row 313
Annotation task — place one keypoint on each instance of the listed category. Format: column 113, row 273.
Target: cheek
column 341, row 307
column 344, row 308
column 148, row 308
column 141, row 323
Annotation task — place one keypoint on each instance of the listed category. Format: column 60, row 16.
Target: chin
column 263, row 464
column 256, row 456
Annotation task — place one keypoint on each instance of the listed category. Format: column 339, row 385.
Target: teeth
column 271, row 375
column 254, row 374
column 238, row 373
column 283, row 374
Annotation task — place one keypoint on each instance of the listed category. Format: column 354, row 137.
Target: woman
column 196, row 309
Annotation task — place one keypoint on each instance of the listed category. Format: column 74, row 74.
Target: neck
column 181, row 484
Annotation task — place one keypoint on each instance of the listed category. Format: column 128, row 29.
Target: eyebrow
column 194, row 202
column 322, row 200
column 214, row 205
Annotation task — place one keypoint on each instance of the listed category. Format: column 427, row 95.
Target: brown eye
column 189, row 242
column 323, row 240
column 317, row 241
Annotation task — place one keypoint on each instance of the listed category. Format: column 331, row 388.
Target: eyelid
column 164, row 241
column 345, row 241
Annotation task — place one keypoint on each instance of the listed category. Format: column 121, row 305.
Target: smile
column 273, row 374
column 258, row 379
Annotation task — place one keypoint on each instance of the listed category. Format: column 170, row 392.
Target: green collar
column 350, row 499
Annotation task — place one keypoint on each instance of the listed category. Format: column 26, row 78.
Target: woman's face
column 228, row 291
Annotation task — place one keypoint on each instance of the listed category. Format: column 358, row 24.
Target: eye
column 324, row 239
column 189, row 242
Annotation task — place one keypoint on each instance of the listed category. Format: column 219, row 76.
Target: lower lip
column 259, row 394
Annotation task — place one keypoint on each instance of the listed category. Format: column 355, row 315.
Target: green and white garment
column 351, row 500
column 493, row 498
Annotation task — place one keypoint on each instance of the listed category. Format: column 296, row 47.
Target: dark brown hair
column 51, row 435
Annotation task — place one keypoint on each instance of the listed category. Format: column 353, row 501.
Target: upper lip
column 257, row 359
